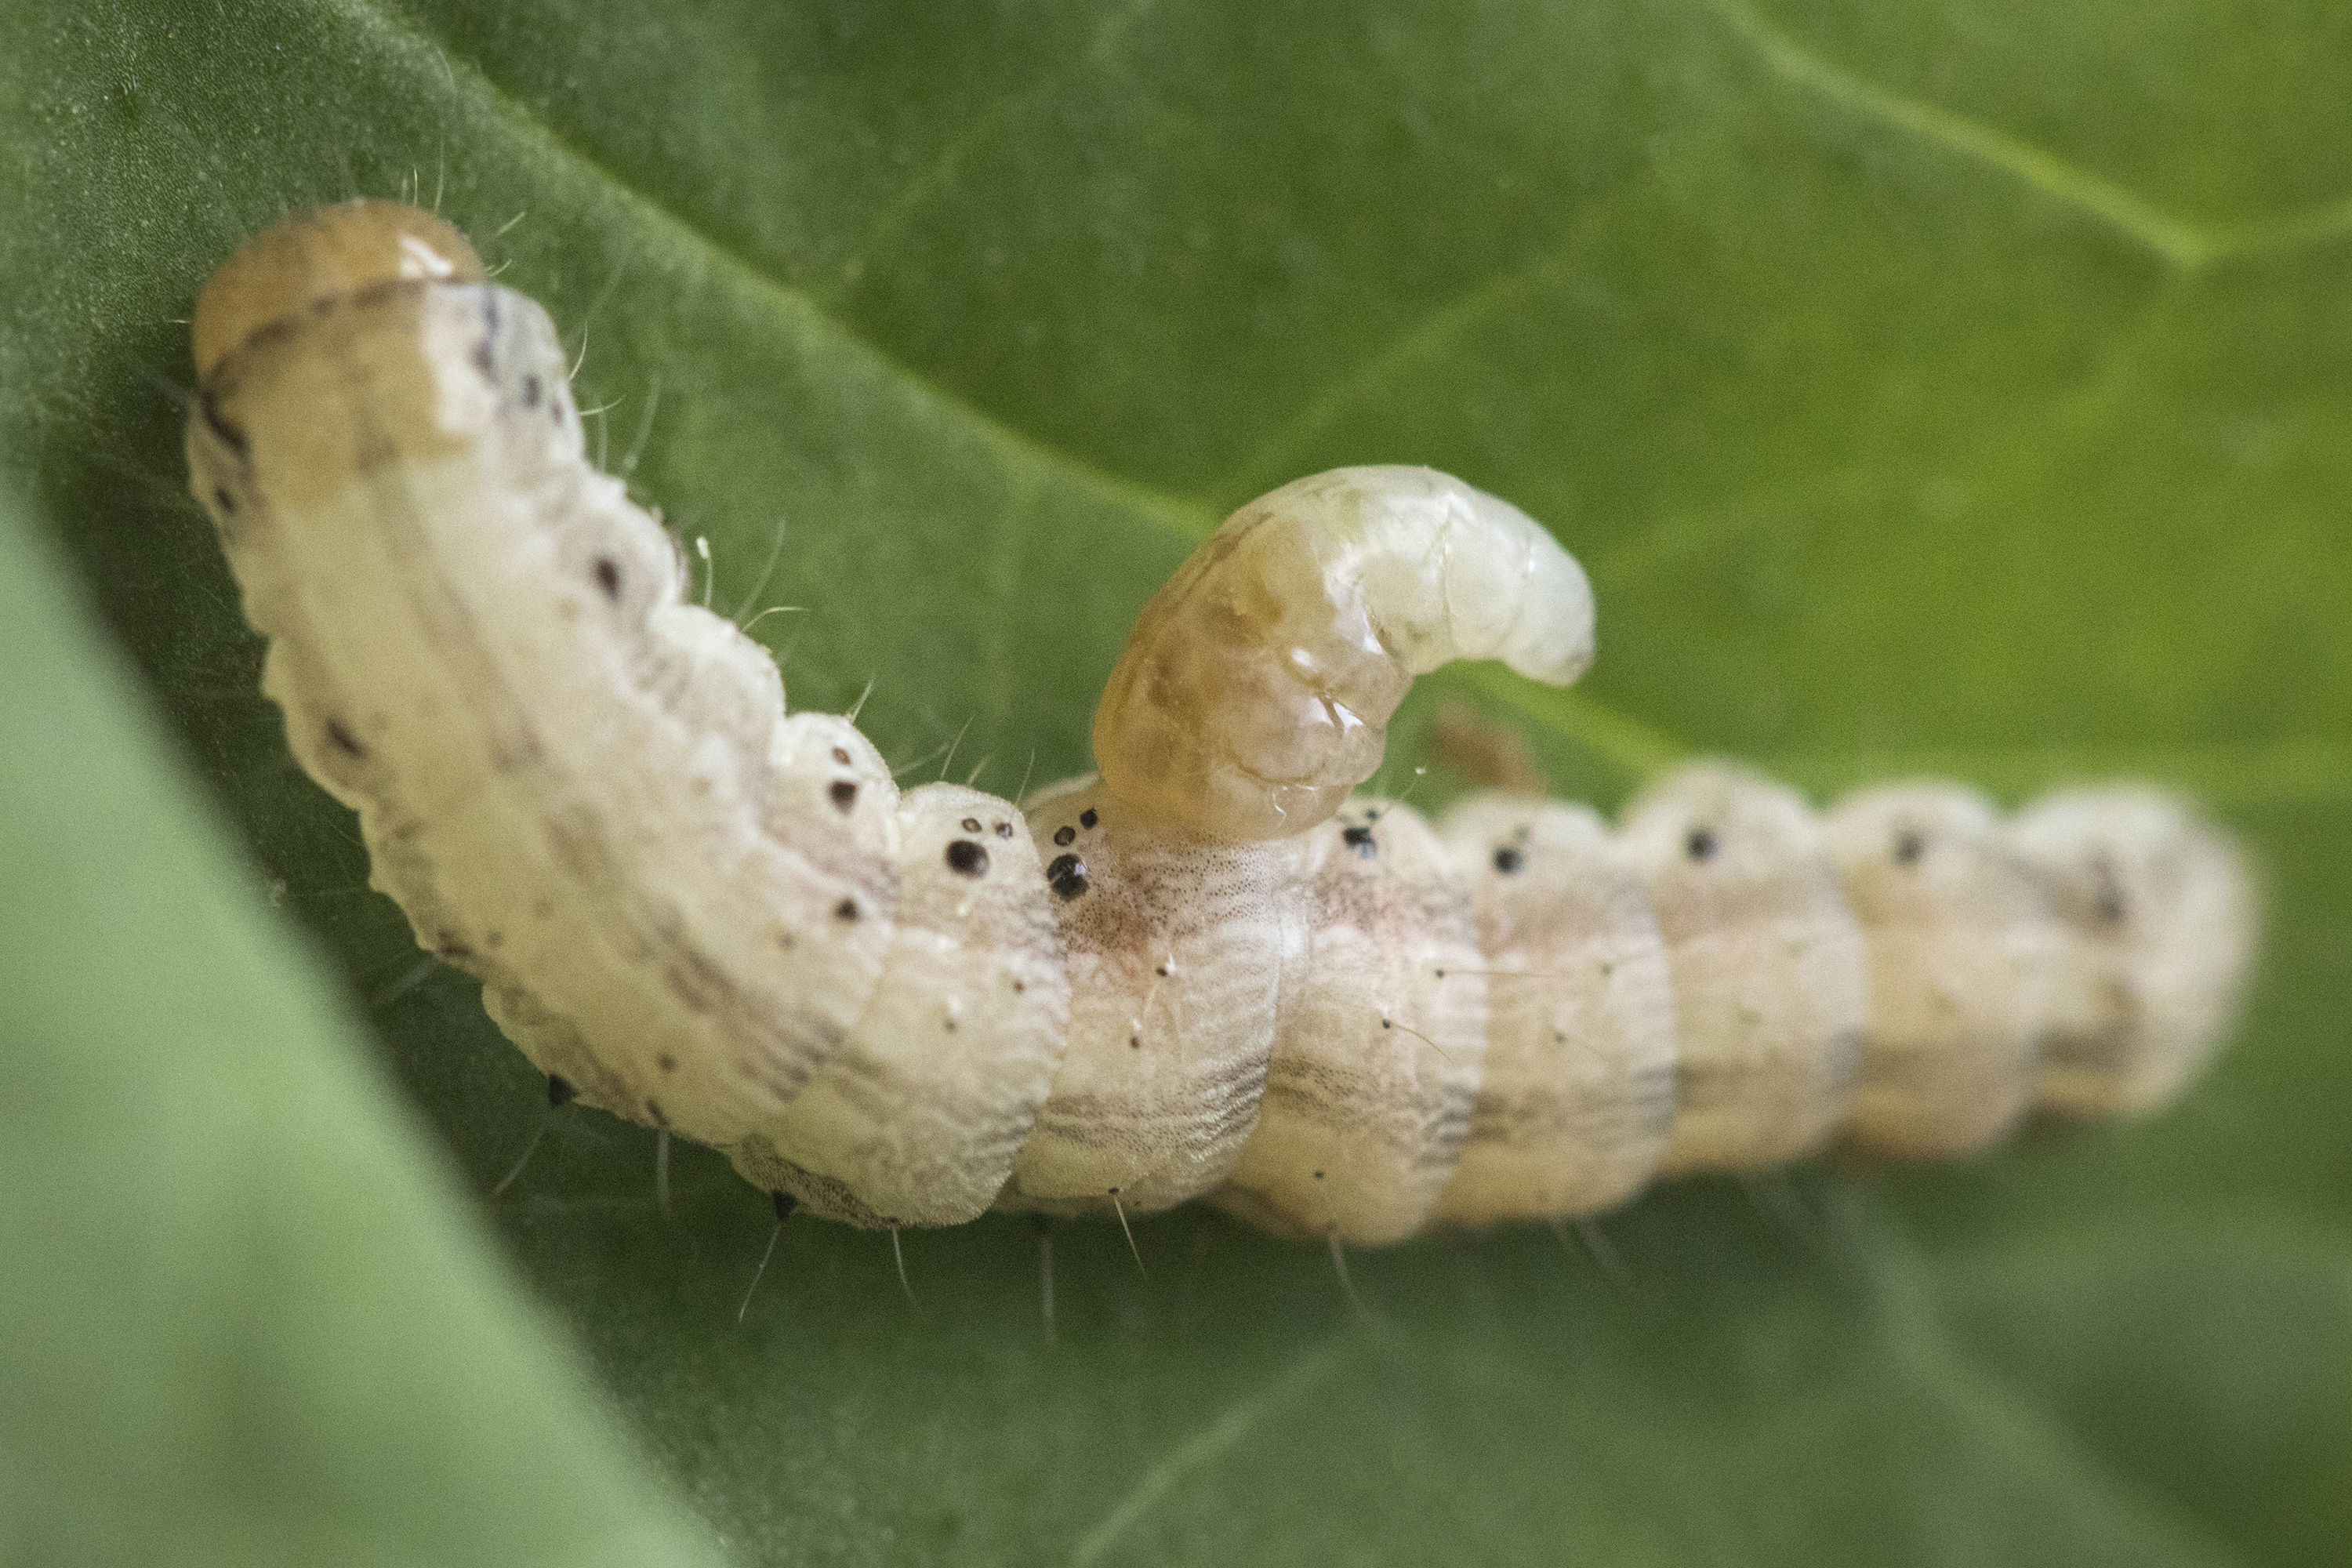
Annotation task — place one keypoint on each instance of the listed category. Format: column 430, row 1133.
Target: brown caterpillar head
column 1255, row 690
column 317, row 254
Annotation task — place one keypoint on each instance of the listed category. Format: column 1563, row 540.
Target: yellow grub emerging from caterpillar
column 1204, row 973
column 1255, row 690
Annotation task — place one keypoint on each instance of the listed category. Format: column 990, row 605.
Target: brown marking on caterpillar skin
column 1162, row 1119
column 227, row 434
column 317, row 256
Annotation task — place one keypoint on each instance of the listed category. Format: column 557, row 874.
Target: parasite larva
column 1206, row 970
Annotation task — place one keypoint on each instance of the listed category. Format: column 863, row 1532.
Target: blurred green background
column 1964, row 387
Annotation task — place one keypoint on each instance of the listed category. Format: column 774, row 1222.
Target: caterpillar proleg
column 1207, row 971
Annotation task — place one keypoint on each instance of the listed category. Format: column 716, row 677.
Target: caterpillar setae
column 1207, row 970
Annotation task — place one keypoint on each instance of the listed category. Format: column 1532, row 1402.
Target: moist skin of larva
column 1206, row 973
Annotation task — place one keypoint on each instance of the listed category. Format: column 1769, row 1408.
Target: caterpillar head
column 1255, row 690
column 319, row 254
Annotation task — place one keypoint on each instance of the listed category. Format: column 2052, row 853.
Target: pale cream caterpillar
column 1204, row 972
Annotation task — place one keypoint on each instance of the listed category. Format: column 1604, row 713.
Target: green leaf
column 1926, row 387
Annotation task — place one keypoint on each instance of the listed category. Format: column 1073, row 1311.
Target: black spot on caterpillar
column 1514, row 1012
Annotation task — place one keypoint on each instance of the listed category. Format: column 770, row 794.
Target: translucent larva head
column 1255, row 690
column 317, row 253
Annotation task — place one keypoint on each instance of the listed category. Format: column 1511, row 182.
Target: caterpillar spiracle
column 1207, row 970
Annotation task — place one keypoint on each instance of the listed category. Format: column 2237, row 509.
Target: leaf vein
column 2178, row 244
column 2008, row 1423
column 1416, row 344
column 1183, row 516
column 986, row 127
column 2185, row 247
column 1205, row 1445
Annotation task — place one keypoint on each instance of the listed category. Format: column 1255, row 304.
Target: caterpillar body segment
column 400, row 482
column 1961, row 954
column 1576, row 1101
column 2159, row 925
column 940, row 1080
column 1179, row 950
column 1205, row 972
column 1380, row 1039
column 1767, row 963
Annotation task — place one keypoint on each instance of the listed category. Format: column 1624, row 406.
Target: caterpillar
column 1209, row 969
